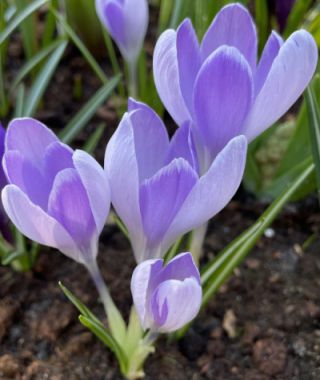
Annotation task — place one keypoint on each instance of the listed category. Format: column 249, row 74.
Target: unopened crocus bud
column 166, row 297
column 55, row 196
column 127, row 22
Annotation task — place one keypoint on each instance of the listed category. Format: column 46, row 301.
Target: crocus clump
column 156, row 187
column 127, row 22
column 166, row 297
column 219, row 87
column 55, row 196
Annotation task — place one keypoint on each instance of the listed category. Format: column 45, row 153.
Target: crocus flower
column 155, row 184
column 126, row 21
column 55, row 196
column 218, row 85
column 166, row 297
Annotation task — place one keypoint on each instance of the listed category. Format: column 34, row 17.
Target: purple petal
column 212, row 192
column 142, row 284
column 33, row 222
column 58, row 156
column 189, row 60
column 96, row 185
column 166, row 76
column 27, row 177
column 181, row 267
column 30, row 138
column 269, row 53
column 122, row 170
column 3, row 178
column 161, row 198
column 222, row 97
column 175, row 303
column 233, row 26
column 182, row 145
column 69, row 205
column 290, row 73
column 150, row 139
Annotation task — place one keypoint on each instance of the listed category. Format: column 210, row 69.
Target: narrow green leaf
column 262, row 21
column 42, row 80
column 20, row 17
column 80, row 45
column 94, row 139
column 102, row 333
column 78, row 122
column 296, row 16
column 121, row 225
column 20, row 99
column 34, row 61
column 314, row 128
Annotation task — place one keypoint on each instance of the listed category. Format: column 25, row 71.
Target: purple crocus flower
column 218, row 85
column 166, row 297
column 155, row 184
column 55, row 196
column 127, row 22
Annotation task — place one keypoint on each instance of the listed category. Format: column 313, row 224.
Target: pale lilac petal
column 122, row 170
column 69, row 205
column 136, row 21
column 269, row 53
column 212, row 192
column 222, row 97
column 182, row 145
column 150, row 138
column 290, row 73
column 30, row 138
column 162, row 196
column 95, row 182
column 37, row 225
column 175, row 303
column 233, row 26
column 166, row 76
column 179, row 268
column 189, row 60
column 142, row 285
column 27, row 177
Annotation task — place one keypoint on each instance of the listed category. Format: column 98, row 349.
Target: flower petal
column 179, row 268
column 269, row 53
column 122, row 170
column 175, row 303
column 222, row 98
column 142, row 283
column 161, row 197
column 233, row 26
column 33, row 222
column 212, row 192
column 290, row 73
column 150, row 138
column 30, row 138
column 96, row 184
column 166, row 76
column 69, row 205
column 182, row 145
column 189, row 60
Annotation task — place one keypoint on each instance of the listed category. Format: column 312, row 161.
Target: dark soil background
column 263, row 324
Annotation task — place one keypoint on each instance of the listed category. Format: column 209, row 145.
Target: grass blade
column 20, row 17
column 42, row 80
column 94, row 139
column 314, row 128
column 86, row 113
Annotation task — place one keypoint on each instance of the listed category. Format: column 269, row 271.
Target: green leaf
column 78, row 122
column 20, row 17
column 34, row 61
column 80, row 45
column 262, row 21
column 314, row 128
column 94, row 138
column 296, row 16
column 42, row 80
column 102, row 333
column 20, row 99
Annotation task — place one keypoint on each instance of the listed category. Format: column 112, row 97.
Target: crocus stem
column 132, row 79
column 150, row 338
column 197, row 240
column 115, row 320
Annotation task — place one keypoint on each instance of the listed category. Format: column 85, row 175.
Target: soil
column 263, row 324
